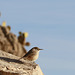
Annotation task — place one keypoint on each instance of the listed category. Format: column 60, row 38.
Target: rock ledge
column 10, row 65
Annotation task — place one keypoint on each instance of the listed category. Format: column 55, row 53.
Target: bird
column 32, row 55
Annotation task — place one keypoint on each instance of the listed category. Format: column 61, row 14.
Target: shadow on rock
column 11, row 60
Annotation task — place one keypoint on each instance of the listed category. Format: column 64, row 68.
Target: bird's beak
column 40, row 49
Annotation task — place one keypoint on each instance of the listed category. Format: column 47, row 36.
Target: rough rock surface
column 9, row 42
column 10, row 65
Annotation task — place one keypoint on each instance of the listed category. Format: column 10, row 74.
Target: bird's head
column 36, row 49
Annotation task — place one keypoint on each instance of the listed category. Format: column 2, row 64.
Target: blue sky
column 51, row 26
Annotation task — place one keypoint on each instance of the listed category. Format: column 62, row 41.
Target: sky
column 51, row 26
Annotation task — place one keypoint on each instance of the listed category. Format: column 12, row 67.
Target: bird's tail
column 20, row 58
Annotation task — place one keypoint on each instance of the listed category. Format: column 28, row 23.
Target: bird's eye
column 33, row 49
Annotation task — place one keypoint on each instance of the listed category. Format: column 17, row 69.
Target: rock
column 10, row 65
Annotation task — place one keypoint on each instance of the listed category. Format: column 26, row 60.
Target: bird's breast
column 33, row 57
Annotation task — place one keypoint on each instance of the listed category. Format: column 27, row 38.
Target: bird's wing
column 27, row 54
